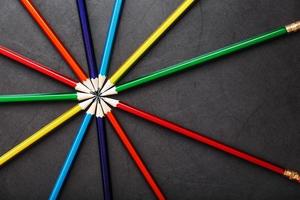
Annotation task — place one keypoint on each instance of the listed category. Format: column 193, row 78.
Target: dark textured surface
column 248, row 100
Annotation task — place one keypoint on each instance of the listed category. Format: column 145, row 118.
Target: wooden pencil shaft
column 135, row 156
column 54, row 39
column 200, row 138
column 103, row 68
column 111, row 34
column 39, row 134
column 153, row 38
column 87, row 38
column 104, row 159
column 37, row 66
column 71, row 157
column 188, row 64
column 38, row 97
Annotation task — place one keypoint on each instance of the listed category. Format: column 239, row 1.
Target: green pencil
column 45, row 97
column 188, row 64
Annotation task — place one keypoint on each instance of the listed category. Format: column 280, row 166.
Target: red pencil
column 132, row 151
column 292, row 175
column 42, row 69
column 43, row 24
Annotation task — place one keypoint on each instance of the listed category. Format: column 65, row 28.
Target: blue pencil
column 103, row 69
column 110, row 38
column 103, row 152
column 88, row 42
column 73, row 151
column 102, row 74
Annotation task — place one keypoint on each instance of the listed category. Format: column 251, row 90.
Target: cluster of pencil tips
column 93, row 97
column 93, row 91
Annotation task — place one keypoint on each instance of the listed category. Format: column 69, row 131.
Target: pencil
column 101, row 132
column 110, row 38
column 292, row 175
column 42, row 69
column 132, row 151
column 65, row 170
column 43, row 132
column 45, row 97
column 188, row 64
column 88, row 42
column 103, row 152
column 49, row 32
column 152, row 39
column 91, row 60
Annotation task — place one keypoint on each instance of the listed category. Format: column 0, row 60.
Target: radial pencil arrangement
column 95, row 95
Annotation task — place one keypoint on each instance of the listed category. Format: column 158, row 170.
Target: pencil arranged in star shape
column 92, row 94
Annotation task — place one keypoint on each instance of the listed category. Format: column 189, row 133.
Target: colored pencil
column 45, row 97
column 65, row 170
column 110, row 37
column 188, row 64
column 88, row 42
column 42, row 69
column 87, row 38
column 103, row 69
column 132, row 151
column 103, row 152
column 204, row 139
column 57, row 43
column 152, row 39
column 43, row 131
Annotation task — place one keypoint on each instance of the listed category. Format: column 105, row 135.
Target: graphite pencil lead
column 109, row 92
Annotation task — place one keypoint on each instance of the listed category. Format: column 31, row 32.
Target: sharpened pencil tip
column 92, row 108
column 95, row 83
column 109, row 92
column 101, row 80
column 112, row 102
column 82, row 88
column 86, row 103
column 107, row 86
column 105, row 107
column 88, row 83
column 84, row 96
column 99, row 112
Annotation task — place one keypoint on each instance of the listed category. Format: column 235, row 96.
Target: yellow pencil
column 147, row 44
column 44, row 131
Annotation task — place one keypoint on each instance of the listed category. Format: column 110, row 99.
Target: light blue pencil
column 103, row 69
column 110, row 38
column 73, row 151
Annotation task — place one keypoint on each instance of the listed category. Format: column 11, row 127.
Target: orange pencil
column 36, row 15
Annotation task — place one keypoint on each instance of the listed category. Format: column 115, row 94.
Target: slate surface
column 249, row 100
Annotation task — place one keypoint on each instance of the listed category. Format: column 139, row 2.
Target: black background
column 248, row 100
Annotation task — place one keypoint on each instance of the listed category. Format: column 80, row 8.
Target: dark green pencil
column 45, row 97
column 188, row 64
